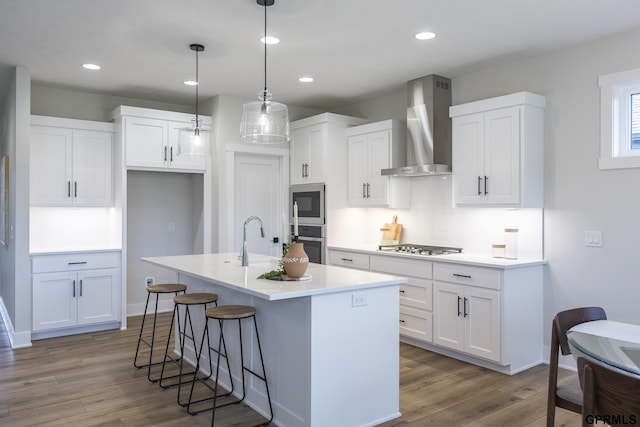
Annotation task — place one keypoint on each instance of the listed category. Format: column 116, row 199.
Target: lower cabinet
column 416, row 304
column 488, row 315
column 75, row 290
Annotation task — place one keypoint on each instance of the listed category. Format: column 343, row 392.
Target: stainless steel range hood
column 428, row 128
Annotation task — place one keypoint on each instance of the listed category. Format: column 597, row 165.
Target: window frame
column 615, row 120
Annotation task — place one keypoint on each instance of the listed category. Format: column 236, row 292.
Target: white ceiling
column 354, row 48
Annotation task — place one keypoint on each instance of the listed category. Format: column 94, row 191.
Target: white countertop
column 224, row 269
column 462, row 258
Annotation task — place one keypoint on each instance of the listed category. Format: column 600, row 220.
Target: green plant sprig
column 280, row 271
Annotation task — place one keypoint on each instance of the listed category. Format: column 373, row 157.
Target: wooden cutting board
column 390, row 233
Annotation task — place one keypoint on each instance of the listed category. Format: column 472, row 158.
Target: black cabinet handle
column 75, row 189
column 401, row 291
column 401, row 321
column 171, row 153
column 68, row 188
column 364, row 190
column 459, row 311
column 73, row 284
column 466, row 313
column 76, row 262
column 486, row 190
column 462, row 275
column 479, row 181
column 368, row 192
column 165, row 153
column 346, row 259
column 80, row 287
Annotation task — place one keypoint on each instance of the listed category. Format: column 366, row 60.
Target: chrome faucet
column 245, row 258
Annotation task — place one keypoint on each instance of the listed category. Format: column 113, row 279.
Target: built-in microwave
column 310, row 200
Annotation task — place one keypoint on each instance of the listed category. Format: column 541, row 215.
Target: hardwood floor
column 89, row 380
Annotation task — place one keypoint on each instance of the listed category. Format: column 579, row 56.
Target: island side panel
column 355, row 357
column 284, row 328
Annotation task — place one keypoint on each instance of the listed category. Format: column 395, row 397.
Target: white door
column 92, row 166
column 448, row 325
column 98, row 296
column 379, row 154
column 502, row 156
column 54, row 301
column 483, row 323
column 258, row 192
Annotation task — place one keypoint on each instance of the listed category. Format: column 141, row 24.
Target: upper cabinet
column 498, row 151
column 311, row 140
column 150, row 139
column 71, row 162
column 371, row 148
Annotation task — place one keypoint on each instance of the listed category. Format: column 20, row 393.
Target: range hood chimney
column 428, row 128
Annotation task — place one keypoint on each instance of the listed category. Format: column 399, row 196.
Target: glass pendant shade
column 264, row 121
column 194, row 140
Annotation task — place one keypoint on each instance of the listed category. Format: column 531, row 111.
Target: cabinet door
column 482, row 326
column 502, row 156
column 50, row 166
column 468, row 159
column 146, row 142
column 448, row 320
column 54, row 301
column 98, row 296
column 308, row 154
column 379, row 155
column 358, row 170
column 92, row 183
column 176, row 160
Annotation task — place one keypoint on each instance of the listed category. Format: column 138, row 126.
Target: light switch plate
column 593, row 239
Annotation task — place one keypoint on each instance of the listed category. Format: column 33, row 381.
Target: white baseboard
column 19, row 339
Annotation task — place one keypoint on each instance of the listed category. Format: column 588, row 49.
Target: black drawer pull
column 401, row 291
column 401, row 321
column 76, row 262
column 346, row 259
column 462, row 275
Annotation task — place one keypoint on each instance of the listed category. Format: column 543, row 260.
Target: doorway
column 258, row 191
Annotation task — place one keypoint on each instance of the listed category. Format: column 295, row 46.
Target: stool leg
column 264, row 372
column 176, row 313
column 144, row 316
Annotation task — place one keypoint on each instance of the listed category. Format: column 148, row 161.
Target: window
column 620, row 120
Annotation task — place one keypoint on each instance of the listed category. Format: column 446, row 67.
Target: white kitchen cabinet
column 467, row 319
column 416, row 296
column 371, row 148
column 312, row 141
column 71, row 162
column 150, row 140
column 498, row 151
column 71, row 291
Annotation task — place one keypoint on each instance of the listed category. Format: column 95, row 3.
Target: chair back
column 567, row 319
column 610, row 392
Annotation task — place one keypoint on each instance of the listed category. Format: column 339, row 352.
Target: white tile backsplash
column 432, row 219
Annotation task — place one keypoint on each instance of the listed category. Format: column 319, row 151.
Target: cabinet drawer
column 349, row 259
column 416, row 324
column 466, row 275
column 76, row 261
column 417, row 293
column 402, row 267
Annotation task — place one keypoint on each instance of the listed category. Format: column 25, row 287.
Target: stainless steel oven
column 310, row 199
column 314, row 240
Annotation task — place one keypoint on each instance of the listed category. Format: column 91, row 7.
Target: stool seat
column 230, row 312
column 165, row 288
column 195, row 298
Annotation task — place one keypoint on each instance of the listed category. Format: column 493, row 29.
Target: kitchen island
column 330, row 343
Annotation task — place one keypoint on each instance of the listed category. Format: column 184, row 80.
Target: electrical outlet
column 358, row 300
column 148, row 281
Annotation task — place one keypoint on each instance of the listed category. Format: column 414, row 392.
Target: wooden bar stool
column 222, row 314
column 165, row 288
column 187, row 301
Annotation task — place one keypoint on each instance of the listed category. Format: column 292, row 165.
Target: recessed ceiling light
column 270, row 40
column 191, row 83
column 425, row 35
column 91, row 66
column 305, row 79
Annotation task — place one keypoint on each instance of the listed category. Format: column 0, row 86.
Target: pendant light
column 265, row 121
column 195, row 140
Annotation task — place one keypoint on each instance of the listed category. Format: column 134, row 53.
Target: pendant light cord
column 265, row 46
column 197, row 84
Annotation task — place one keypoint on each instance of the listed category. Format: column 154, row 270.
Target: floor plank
column 89, row 380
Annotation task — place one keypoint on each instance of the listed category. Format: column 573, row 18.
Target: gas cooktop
column 410, row 248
